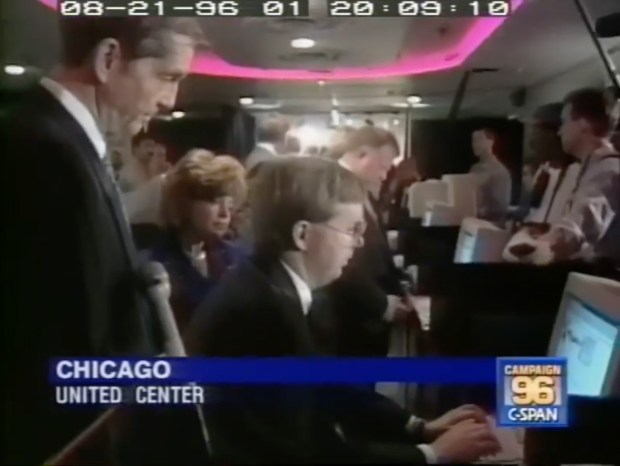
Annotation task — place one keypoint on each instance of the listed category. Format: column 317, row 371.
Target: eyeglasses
column 357, row 232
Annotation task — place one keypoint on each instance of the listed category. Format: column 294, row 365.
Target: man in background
column 590, row 228
column 147, row 160
column 495, row 183
column 271, row 142
column 72, row 285
column 368, row 297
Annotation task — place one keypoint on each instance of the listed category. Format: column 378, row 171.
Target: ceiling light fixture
column 414, row 99
column 407, row 105
column 14, row 70
column 302, row 43
column 246, row 100
column 321, row 83
column 178, row 114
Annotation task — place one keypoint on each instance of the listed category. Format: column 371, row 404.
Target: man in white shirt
column 590, row 227
column 147, row 161
column 306, row 231
column 495, row 182
column 74, row 282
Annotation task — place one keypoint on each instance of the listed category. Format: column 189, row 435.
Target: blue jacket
column 189, row 286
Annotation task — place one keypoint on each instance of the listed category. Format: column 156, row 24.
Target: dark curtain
column 225, row 131
column 241, row 136
column 180, row 136
column 442, row 147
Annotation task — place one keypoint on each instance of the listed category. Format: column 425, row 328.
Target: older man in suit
column 72, row 285
column 308, row 219
column 368, row 298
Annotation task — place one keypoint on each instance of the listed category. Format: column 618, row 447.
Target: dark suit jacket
column 189, row 286
column 359, row 297
column 285, row 424
column 70, row 286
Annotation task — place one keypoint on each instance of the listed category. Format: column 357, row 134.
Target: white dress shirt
column 80, row 112
column 303, row 290
column 143, row 205
column 555, row 198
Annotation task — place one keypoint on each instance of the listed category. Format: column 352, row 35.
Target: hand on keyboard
column 466, row 442
column 440, row 425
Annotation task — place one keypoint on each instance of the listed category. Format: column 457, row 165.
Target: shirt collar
column 267, row 146
column 344, row 164
column 79, row 112
column 302, row 288
column 605, row 150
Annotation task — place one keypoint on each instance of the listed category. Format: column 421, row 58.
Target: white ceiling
column 542, row 39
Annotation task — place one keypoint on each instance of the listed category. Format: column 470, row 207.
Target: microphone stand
column 159, row 293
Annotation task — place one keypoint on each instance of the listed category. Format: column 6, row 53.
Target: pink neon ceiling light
column 210, row 64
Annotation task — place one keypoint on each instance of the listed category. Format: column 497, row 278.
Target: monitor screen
column 465, row 248
column 587, row 342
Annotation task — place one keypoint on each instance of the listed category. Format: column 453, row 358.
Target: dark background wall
column 225, row 130
column 443, row 147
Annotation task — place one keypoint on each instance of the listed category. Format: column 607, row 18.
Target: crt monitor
column 423, row 192
column 480, row 241
column 587, row 334
column 462, row 193
column 440, row 214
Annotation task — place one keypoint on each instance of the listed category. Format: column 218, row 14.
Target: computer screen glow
column 465, row 248
column 587, row 341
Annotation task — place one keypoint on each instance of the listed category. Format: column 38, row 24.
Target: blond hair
column 200, row 176
column 288, row 190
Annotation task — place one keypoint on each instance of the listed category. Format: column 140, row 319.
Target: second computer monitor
column 480, row 241
column 587, row 334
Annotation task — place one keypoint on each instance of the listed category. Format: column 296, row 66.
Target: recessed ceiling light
column 395, row 122
column 246, row 100
column 178, row 114
column 406, row 105
column 14, row 70
column 414, row 99
column 302, row 43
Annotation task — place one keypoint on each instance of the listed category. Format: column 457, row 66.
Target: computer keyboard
column 511, row 442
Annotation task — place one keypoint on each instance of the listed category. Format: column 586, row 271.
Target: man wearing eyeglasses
column 308, row 220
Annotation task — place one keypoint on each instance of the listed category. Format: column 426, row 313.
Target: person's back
column 72, row 286
column 495, row 182
column 495, row 189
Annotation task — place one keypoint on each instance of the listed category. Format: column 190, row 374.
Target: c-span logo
column 531, row 392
